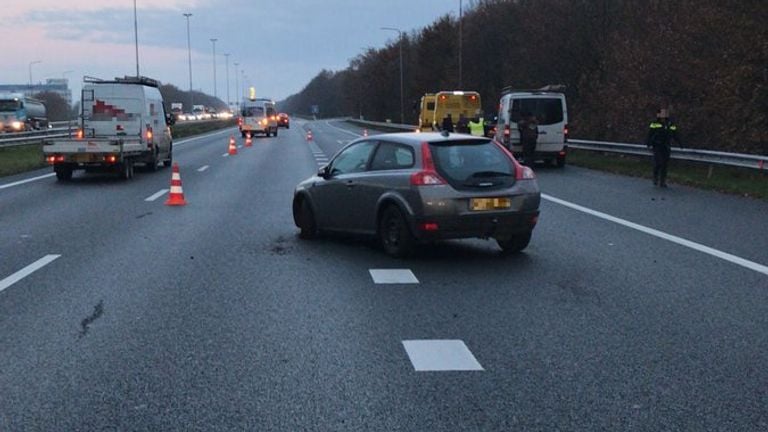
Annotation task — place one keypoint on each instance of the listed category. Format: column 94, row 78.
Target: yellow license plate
column 480, row 204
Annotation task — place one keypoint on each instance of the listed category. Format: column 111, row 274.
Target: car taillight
column 428, row 175
column 507, row 133
column 80, row 134
column 110, row 159
column 119, row 128
column 565, row 133
column 523, row 172
column 54, row 158
column 429, row 226
column 239, row 121
column 150, row 134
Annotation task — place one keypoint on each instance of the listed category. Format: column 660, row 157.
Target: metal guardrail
column 688, row 154
column 58, row 130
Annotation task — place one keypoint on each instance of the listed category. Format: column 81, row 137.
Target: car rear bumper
column 480, row 225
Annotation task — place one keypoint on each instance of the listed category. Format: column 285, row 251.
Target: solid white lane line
column 156, row 195
column 393, row 276
column 29, row 180
column 26, row 271
column 662, row 235
column 203, row 168
column 343, row 130
column 440, row 355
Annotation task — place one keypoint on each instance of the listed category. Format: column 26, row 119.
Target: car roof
column 415, row 138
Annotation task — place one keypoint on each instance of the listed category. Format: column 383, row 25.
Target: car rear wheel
column 168, row 162
column 395, row 236
column 152, row 163
column 515, row 243
column 305, row 219
column 560, row 162
column 274, row 133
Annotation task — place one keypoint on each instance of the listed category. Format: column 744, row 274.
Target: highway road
column 634, row 308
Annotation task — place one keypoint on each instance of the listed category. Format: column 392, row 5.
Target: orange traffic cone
column 248, row 141
column 176, row 196
column 232, row 146
column 309, row 135
column 365, row 132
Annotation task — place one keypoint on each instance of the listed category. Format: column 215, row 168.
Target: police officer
column 528, row 127
column 660, row 134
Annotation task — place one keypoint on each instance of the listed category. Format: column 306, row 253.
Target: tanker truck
column 20, row 113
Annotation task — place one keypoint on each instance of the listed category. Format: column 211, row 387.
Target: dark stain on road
column 279, row 247
column 143, row 215
column 98, row 311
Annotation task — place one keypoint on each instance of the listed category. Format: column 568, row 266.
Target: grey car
column 407, row 188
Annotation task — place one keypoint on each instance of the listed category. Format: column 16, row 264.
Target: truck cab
column 19, row 113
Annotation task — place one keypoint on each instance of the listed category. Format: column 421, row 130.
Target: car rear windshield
column 548, row 111
column 473, row 164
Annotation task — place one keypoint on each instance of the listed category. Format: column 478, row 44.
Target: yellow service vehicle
column 436, row 106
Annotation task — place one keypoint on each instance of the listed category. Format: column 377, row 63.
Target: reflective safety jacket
column 477, row 128
column 660, row 133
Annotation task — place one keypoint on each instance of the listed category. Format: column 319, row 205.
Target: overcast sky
column 280, row 44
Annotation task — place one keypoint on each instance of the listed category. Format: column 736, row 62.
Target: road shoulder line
column 26, row 271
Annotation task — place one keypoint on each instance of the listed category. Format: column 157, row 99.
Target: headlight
column 17, row 125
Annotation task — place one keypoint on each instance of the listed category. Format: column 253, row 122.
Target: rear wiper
column 490, row 174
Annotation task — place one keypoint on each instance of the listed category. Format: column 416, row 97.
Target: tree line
column 707, row 60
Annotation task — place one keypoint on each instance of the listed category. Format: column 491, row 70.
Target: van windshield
column 548, row 111
column 254, row 111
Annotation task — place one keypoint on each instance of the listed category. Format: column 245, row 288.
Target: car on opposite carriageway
column 407, row 188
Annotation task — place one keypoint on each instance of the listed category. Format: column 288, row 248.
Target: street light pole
column 461, row 43
column 402, row 104
column 189, row 52
column 226, row 56
column 237, row 86
column 213, row 40
column 30, row 73
column 136, row 36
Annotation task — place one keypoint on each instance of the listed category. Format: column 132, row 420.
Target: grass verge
column 14, row 160
column 738, row 181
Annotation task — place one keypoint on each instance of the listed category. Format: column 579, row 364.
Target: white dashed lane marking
column 393, row 276
column 203, row 168
column 156, row 195
column 225, row 155
column 26, row 271
column 440, row 355
column 29, row 180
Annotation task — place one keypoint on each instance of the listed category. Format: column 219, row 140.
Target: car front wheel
column 305, row 219
column 394, row 233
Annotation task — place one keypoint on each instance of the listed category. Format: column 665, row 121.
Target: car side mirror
column 323, row 171
column 170, row 119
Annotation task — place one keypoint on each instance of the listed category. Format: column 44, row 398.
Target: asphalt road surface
column 634, row 308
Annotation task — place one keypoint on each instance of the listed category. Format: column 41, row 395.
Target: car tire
column 305, row 219
column 560, row 161
column 395, row 235
column 63, row 174
column 274, row 133
column 124, row 170
column 516, row 243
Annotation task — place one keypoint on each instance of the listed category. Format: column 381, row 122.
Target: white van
column 128, row 107
column 258, row 116
column 549, row 107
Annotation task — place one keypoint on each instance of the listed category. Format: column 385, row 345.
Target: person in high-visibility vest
column 660, row 134
column 476, row 127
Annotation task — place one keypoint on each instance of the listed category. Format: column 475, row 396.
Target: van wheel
column 152, row 164
column 515, row 243
column 125, row 170
column 560, row 162
column 274, row 133
column 63, row 173
column 168, row 162
column 395, row 236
